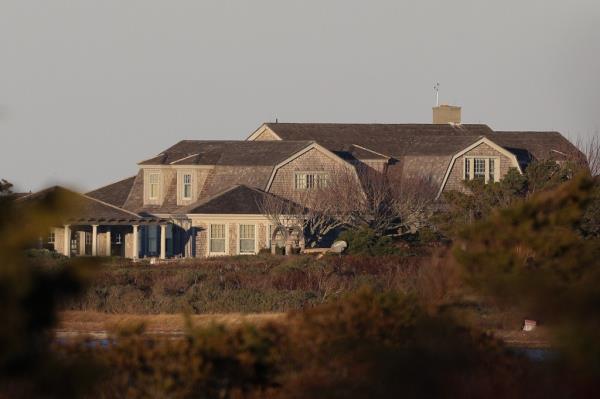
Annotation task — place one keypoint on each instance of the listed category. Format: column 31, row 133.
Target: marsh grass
column 251, row 284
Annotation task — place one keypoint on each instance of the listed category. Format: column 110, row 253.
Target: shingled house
column 202, row 198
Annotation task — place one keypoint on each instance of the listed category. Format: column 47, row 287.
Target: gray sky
column 88, row 88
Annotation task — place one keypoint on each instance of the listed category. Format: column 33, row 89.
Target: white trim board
column 261, row 129
column 312, row 146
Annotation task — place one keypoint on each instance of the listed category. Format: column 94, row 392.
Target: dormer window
column 187, row 187
column 481, row 168
column 311, row 180
column 153, row 185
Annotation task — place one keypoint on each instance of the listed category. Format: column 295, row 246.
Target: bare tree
column 591, row 149
column 318, row 210
column 389, row 204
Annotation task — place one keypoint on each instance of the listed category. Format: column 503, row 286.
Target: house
column 203, row 198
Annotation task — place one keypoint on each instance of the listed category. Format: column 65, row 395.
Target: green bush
column 365, row 241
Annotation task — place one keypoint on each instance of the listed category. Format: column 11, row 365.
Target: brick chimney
column 446, row 114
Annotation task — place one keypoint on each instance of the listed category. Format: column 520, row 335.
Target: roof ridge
column 110, row 184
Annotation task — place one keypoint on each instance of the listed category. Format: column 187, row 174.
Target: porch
column 128, row 238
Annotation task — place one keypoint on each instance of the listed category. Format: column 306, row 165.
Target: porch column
column 67, row 247
column 94, row 239
column 108, row 241
column 135, row 242
column 163, row 241
column 81, row 237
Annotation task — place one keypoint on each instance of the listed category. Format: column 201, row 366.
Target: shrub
column 365, row 345
column 245, row 284
column 364, row 241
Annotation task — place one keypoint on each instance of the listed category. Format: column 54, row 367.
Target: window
column 217, row 238
column 88, row 238
column 309, row 181
column 117, row 239
column 51, row 237
column 153, row 181
column 187, row 186
column 479, row 168
column 152, row 239
column 247, row 238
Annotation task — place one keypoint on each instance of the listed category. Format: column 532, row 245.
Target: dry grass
column 98, row 324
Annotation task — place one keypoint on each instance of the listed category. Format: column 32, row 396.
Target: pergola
column 107, row 223
column 87, row 214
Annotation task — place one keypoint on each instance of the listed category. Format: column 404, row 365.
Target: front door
column 116, row 247
column 74, row 245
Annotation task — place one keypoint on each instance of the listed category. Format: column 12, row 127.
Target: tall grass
column 252, row 284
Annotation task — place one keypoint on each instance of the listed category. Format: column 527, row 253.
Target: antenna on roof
column 436, row 88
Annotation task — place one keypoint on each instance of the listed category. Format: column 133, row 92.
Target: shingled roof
column 238, row 153
column 115, row 194
column 238, row 199
column 84, row 209
column 538, row 145
column 398, row 140
column 392, row 140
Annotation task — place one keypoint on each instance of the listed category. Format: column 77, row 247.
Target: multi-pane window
column 153, row 184
column 247, row 238
column 51, row 237
column 479, row 168
column 309, row 181
column 217, row 238
column 187, row 186
column 88, row 238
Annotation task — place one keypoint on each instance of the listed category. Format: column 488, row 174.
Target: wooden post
column 163, row 241
column 108, row 241
column 135, row 242
column 67, row 247
column 94, row 239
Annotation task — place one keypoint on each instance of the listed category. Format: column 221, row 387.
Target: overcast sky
column 89, row 88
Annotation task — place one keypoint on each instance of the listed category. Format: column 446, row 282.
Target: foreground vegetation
column 359, row 326
column 255, row 284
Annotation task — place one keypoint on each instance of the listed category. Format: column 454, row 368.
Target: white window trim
column 208, row 251
column 150, row 197
column 239, row 239
column 486, row 159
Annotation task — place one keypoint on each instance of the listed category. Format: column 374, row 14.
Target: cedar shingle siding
column 231, row 178
column 483, row 150
column 311, row 161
